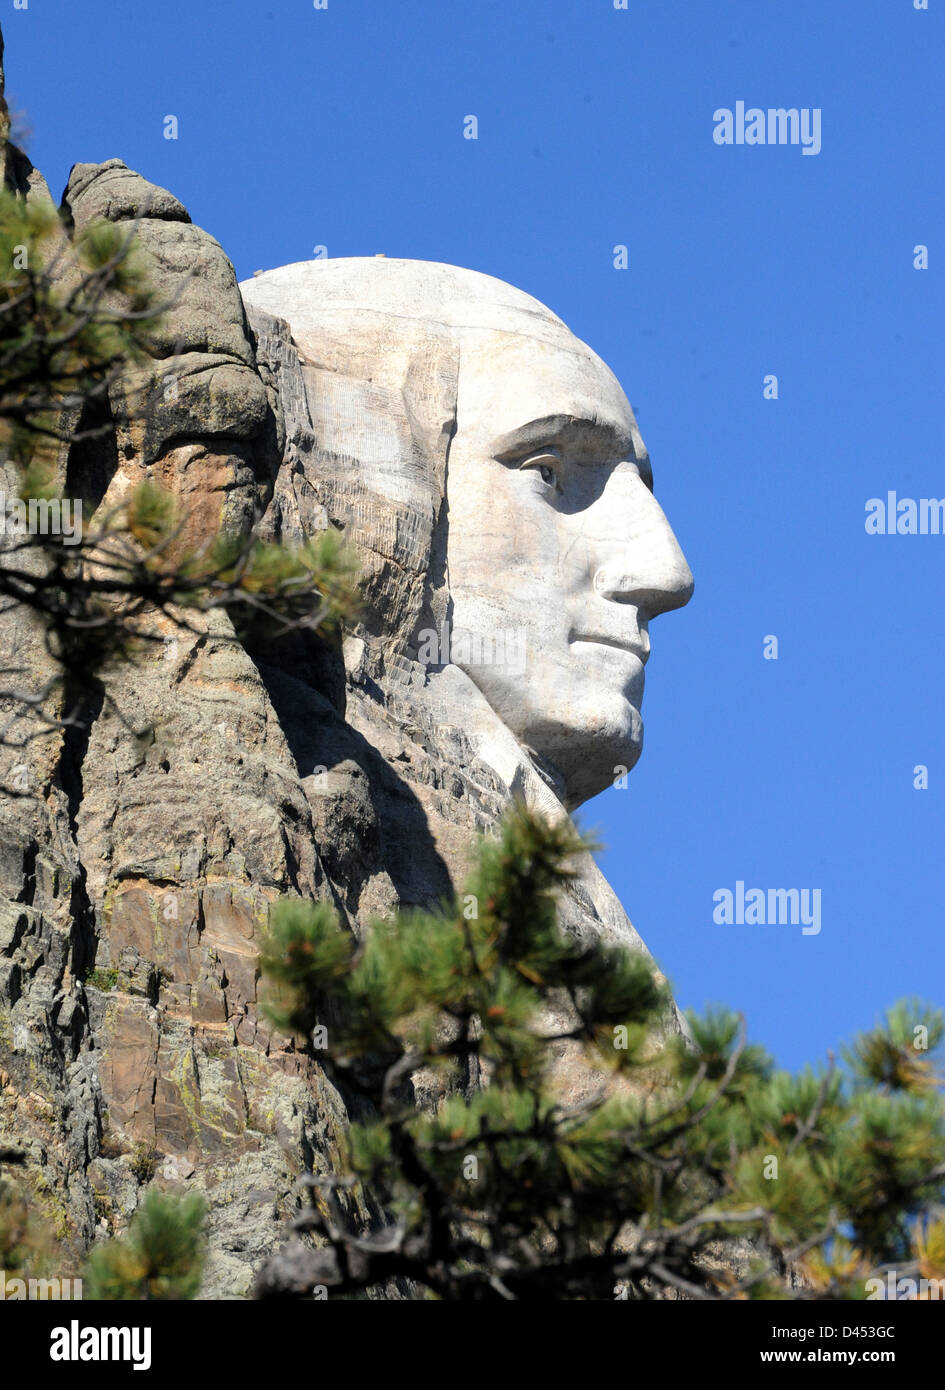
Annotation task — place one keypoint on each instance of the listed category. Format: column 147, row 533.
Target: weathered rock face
column 150, row 859
column 137, row 872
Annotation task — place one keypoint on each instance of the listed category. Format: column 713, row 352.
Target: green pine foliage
column 25, row 1243
column 71, row 315
column 160, row 1257
column 686, row 1166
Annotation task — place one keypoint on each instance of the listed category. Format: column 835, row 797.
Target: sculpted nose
column 647, row 568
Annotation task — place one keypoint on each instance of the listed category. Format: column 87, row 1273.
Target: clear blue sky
column 343, row 127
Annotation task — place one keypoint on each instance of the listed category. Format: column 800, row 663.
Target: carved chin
column 583, row 735
column 590, row 746
column 611, row 759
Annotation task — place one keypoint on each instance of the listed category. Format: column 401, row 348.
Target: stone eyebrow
column 560, row 430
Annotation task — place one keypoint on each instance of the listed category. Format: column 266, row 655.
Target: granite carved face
column 554, row 534
column 464, row 432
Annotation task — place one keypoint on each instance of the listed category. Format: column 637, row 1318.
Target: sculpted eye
column 546, row 464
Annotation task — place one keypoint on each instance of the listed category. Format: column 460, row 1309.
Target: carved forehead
column 363, row 315
column 512, row 359
column 508, row 380
column 312, row 293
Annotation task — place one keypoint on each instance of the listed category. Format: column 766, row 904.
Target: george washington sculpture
column 489, row 469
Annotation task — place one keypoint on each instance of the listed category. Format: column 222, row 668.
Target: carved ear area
column 378, row 468
column 430, row 393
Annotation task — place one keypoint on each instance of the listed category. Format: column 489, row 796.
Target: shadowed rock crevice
column 367, row 819
column 93, row 457
column 84, row 709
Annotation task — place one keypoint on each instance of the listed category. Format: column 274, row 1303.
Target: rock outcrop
column 138, row 868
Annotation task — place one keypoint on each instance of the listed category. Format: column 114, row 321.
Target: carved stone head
column 489, row 468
